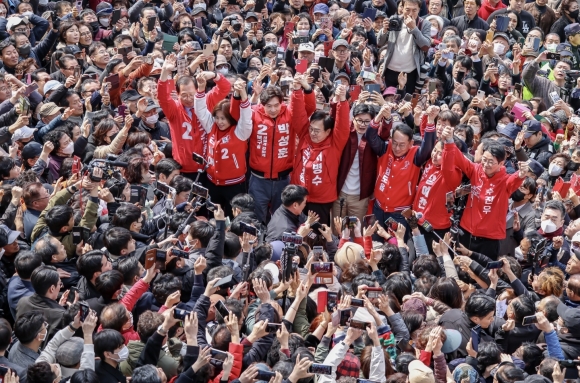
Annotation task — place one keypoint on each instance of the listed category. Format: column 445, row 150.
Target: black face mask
column 574, row 14
column 573, row 166
column 94, row 26
column 517, row 196
column 24, row 51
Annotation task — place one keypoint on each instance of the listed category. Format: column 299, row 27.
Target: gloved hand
column 200, row 33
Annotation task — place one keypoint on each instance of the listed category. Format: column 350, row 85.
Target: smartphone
column 414, row 100
column 150, row 257
column 460, row 76
column 368, row 75
column 76, row 165
column 181, row 66
column 315, row 74
column 220, row 354
column 318, row 253
column 373, row 292
column 345, row 316
column 80, row 234
column 116, row 17
column 198, row 22
column 355, row 302
column 180, row 253
column 518, row 90
column 299, row 40
column 71, row 294
column 315, row 227
column 432, row 86
column 569, row 363
column 481, row 94
column 407, row 213
column 494, row 265
column 79, row 5
column 321, row 267
column 489, row 36
column 199, row 191
column 301, row 66
column 84, row 310
column 273, row 327
column 31, row 88
column 392, row 224
column 475, row 337
column 265, row 375
column 138, row 195
column 24, row 106
column 180, row 314
column 222, row 309
column 248, row 229
column 161, row 254
column 358, row 324
column 555, row 97
column 354, row 91
column 151, row 23
column 531, row 319
column 369, row 220
column 320, row 369
column 121, row 111
column 224, row 281
column 553, row 56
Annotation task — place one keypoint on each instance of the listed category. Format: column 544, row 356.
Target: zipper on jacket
column 272, row 155
column 409, row 185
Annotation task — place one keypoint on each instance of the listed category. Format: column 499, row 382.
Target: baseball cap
column 49, row 109
column 31, row 150
column 104, row 9
column 306, row 47
column 502, row 35
column 342, row 75
column 419, row 373
column 571, row 318
column 151, row 104
column 220, row 60
column 251, row 14
column 15, row 21
column 340, row 43
column 51, row 85
column 564, row 49
column 536, row 167
column 273, row 269
column 415, row 304
column 572, row 29
column 320, row 8
column 529, row 53
column 128, row 95
column 533, row 127
column 390, row 91
column 452, row 342
column 22, row 133
column 511, row 131
column 8, row 237
column 72, row 49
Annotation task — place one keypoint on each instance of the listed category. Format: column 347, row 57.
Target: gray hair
column 145, row 374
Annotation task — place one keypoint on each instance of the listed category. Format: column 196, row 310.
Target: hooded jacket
column 316, row 164
column 487, row 9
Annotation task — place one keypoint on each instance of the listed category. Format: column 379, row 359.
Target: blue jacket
column 18, row 289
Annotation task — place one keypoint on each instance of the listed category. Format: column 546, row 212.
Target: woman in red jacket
column 318, row 156
column 227, row 143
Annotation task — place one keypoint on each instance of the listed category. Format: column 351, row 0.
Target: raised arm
column 204, row 116
column 244, row 128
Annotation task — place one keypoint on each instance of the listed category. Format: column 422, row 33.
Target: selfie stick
column 441, row 239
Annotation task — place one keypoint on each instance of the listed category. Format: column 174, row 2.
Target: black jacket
column 283, row 220
column 510, row 341
column 86, row 289
column 186, row 274
column 540, row 152
column 71, row 268
column 108, row 373
column 462, row 23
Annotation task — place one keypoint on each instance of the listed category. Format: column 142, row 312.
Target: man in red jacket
column 483, row 221
column 186, row 133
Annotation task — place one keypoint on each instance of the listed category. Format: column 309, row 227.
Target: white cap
column 51, row 85
column 22, row 133
column 576, row 237
column 14, row 21
column 273, row 269
column 306, row 47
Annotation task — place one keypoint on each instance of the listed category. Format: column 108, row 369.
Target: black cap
column 571, row 318
column 251, row 14
column 130, row 95
column 72, row 49
column 31, row 150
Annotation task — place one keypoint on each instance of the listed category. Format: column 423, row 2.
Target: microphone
column 118, row 163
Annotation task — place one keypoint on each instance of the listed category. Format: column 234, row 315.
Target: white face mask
column 152, row 119
column 548, row 226
column 554, row 169
column 303, row 33
column 27, row 14
column 500, row 126
column 70, row 148
column 123, row 355
column 201, row 5
column 476, row 129
column 551, row 47
column 223, row 71
column 434, row 32
column 104, row 22
column 498, row 48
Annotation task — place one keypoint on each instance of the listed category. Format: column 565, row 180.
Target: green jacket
column 166, row 362
column 88, row 220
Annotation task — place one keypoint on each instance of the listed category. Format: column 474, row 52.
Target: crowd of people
column 289, row 191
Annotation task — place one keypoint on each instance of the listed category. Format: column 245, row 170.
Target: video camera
column 234, row 22
column 395, row 23
column 108, row 166
column 291, row 242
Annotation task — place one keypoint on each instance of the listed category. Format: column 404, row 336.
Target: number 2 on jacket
column 186, row 135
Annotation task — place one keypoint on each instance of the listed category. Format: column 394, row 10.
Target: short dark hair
column 43, row 278
column 181, row 184
column 232, row 246
column 6, row 165
column 479, row 305
column 364, row 109
column 129, row 267
column 117, row 239
column 46, row 249
column 126, row 214
column 292, row 194
column 202, row 231
column 165, row 285
column 85, row 376
column 405, row 130
column 26, row 262
column 166, row 166
column 244, row 202
column 449, row 116
column 108, row 283
column 28, row 325
column 523, row 306
column 148, row 323
column 40, row 372
column 114, row 316
column 327, row 120
column 107, row 340
column 270, row 93
column 90, row 263
column 5, row 334
column 495, row 149
column 58, row 217
column 556, row 205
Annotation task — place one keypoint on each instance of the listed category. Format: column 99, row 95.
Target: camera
column 234, row 22
column 107, row 166
column 395, row 24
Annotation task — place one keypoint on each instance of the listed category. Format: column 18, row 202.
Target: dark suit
column 108, row 373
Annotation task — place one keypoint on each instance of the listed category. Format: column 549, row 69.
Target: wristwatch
column 161, row 330
column 73, row 329
column 73, row 188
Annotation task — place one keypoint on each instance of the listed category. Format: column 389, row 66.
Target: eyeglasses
column 341, row 51
column 21, row 30
column 86, row 34
column 362, row 122
column 488, row 162
column 222, row 66
column 399, row 144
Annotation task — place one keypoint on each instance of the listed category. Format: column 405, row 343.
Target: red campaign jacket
column 431, row 190
column 485, row 213
column 237, row 350
column 272, row 141
column 316, row 165
column 187, row 134
column 226, row 153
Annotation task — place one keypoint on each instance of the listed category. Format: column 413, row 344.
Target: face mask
column 554, row 169
column 123, row 355
column 342, row 25
column 201, row 5
column 434, row 32
column 94, row 26
column 272, row 44
column 70, row 148
column 24, row 50
column 548, row 226
column 317, row 23
column 500, row 126
column 43, row 337
column 223, row 71
column 573, row 166
column 476, row 129
column 551, row 47
column 498, row 49
column 27, row 14
column 154, row 118
column 112, row 137
column 574, row 14
column 302, row 33
column 104, row 22
column 517, row 196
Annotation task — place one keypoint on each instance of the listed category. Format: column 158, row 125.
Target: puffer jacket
column 166, row 362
